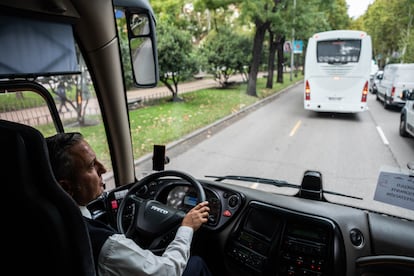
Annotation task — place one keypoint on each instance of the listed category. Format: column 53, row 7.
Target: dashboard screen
column 308, row 231
column 182, row 198
column 262, row 222
column 190, row 200
column 120, row 194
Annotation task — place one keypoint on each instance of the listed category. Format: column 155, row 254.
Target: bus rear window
column 338, row 51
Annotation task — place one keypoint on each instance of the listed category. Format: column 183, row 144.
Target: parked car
column 396, row 78
column 376, row 79
column 407, row 114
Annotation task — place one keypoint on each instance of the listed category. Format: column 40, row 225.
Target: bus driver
column 80, row 174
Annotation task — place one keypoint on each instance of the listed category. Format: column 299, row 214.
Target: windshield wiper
column 277, row 183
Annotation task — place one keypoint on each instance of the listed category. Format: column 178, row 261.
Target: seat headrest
column 48, row 231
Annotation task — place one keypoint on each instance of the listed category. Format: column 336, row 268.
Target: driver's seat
column 44, row 230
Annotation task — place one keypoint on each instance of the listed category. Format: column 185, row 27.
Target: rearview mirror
column 136, row 19
column 143, row 48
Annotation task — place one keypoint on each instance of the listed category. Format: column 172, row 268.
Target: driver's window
column 75, row 100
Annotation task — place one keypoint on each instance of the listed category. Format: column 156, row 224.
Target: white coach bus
column 337, row 71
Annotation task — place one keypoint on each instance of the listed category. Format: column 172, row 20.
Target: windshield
column 214, row 117
column 210, row 126
column 279, row 140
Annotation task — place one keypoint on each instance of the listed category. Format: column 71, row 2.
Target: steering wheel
column 153, row 223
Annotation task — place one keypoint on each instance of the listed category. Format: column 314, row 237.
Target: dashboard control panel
column 274, row 241
column 305, row 249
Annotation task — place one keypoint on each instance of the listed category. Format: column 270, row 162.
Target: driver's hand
column 197, row 216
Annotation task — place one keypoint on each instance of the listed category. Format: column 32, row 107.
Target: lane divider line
column 295, row 128
column 382, row 135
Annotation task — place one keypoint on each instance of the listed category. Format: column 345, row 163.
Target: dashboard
column 251, row 232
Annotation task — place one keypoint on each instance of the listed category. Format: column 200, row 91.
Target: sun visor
column 36, row 48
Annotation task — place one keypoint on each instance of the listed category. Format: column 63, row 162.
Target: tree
column 391, row 35
column 277, row 37
column 77, row 93
column 218, row 12
column 225, row 54
column 337, row 15
column 261, row 13
column 167, row 8
column 175, row 56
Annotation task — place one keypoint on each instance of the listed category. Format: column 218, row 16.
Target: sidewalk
column 182, row 88
column 162, row 91
column 139, row 96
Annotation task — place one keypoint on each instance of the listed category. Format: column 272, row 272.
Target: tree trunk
column 280, row 59
column 172, row 87
column 271, row 60
column 257, row 53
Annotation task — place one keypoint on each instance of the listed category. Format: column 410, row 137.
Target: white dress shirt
column 122, row 256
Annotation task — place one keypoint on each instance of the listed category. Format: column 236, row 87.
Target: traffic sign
column 298, row 47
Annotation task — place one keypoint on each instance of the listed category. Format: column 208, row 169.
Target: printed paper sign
column 395, row 189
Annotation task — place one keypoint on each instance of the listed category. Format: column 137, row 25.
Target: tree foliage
column 225, row 54
column 175, row 56
column 336, row 13
column 390, row 24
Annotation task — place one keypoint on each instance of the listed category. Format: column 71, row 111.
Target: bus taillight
column 307, row 91
column 365, row 93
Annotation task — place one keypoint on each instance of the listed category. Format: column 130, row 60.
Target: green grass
column 8, row 101
column 168, row 121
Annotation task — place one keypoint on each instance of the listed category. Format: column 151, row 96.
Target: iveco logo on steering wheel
column 159, row 210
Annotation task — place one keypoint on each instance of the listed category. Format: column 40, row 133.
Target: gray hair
column 61, row 161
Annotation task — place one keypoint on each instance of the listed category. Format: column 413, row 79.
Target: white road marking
column 295, row 128
column 382, row 135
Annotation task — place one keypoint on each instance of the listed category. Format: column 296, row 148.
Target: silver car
column 373, row 82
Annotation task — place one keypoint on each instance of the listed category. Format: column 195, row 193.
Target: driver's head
column 75, row 166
